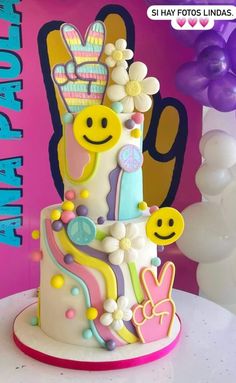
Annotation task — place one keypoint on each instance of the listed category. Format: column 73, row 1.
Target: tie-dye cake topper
column 82, row 81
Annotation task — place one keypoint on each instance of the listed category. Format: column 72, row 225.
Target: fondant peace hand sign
column 83, row 80
column 153, row 319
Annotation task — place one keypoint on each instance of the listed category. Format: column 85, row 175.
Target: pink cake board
column 36, row 344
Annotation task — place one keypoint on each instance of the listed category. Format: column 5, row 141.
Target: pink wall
column 158, row 48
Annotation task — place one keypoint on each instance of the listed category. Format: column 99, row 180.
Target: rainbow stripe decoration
column 82, row 81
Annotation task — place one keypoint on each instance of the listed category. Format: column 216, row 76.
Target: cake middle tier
column 109, row 183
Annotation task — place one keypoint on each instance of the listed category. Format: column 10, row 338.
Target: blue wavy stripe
column 99, row 339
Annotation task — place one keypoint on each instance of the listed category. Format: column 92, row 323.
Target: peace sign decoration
column 130, row 158
column 82, row 81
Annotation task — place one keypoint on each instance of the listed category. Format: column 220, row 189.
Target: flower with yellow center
column 123, row 243
column 116, row 313
column 133, row 89
column 117, row 54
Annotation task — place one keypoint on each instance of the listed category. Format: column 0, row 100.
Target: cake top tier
column 100, row 153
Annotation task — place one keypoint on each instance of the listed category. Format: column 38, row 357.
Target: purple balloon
column 208, row 38
column 189, row 78
column 213, row 62
column 231, row 49
column 202, row 97
column 222, row 93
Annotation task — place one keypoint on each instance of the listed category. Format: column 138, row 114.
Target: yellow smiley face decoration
column 165, row 226
column 97, row 128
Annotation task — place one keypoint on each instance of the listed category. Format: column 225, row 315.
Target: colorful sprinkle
column 101, row 220
column 70, row 313
column 68, row 205
column 153, row 208
column 91, row 313
column 84, row 193
column 55, row 215
column 74, row 291
column 36, row 256
column 136, row 133
column 156, row 262
column 68, row 259
column 87, row 334
column 117, row 107
column 57, row 225
column 142, row 205
column 129, row 124
column 67, row 216
column 34, row 321
column 138, row 118
column 110, row 345
column 57, row 281
column 70, row 195
column 68, row 118
column 82, row 210
column 35, row 234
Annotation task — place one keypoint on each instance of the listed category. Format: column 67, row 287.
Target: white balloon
column 206, row 237
column 212, row 181
column 219, row 120
column 220, row 150
column 205, row 138
column 218, row 280
column 228, row 202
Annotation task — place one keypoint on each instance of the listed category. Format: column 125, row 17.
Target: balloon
column 218, row 280
column 206, row 237
column 189, row 78
column 231, row 48
column 212, row 181
column 186, row 37
column 222, row 93
column 208, row 38
column 220, row 150
column 202, row 97
column 220, row 121
column 213, row 61
column 228, row 202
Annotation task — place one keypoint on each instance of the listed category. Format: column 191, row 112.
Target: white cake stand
column 35, row 343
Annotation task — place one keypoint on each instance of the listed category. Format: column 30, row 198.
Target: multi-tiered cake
column 99, row 289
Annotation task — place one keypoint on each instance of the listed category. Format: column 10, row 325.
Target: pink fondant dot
column 70, row 195
column 138, row 118
column 153, row 208
column 67, row 216
column 70, row 313
column 36, row 256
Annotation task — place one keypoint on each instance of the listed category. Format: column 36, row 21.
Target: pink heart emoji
column 181, row 22
column 192, row 22
column 204, row 22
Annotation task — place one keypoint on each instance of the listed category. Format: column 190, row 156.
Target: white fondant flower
column 118, row 54
column 133, row 89
column 123, row 243
column 116, row 313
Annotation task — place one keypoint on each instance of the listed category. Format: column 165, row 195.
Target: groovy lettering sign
column 10, row 86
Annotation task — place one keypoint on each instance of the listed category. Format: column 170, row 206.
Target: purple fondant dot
column 110, row 345
column 101, row 220
column 82, row 210
column 68, row 259
column 57, row 225
column 129, row 124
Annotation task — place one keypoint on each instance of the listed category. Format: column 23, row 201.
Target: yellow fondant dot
column 133, row 88
column 136, row 133
column 57, row 281
column 142, row 205
column 125, row 244
column 35, row 234
column 91, row 313
column 55, row 215
column 117, row 55
column 118, row 315
column 84, row 193
column 68, row 205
